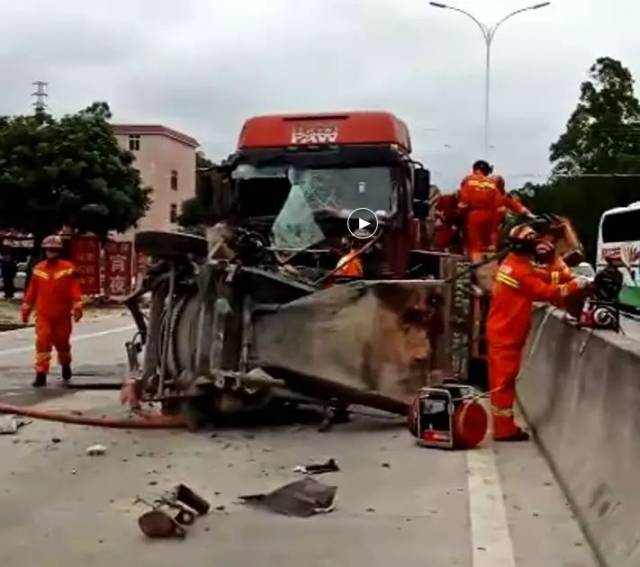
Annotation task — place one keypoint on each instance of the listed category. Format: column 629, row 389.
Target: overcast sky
column 203, row 66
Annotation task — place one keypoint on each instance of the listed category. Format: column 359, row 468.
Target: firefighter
column 479, row 201
column 506, row 202
column 551, row 266
column 445, row 229
column 54, row 292
column 517, row 286
column 350, row 265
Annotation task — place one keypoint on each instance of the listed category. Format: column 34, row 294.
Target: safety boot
column 505, row 429
column 40, row 380
column 66, row 372
column 516, row 434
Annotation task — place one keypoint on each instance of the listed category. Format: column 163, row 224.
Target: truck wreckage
column 255, row 314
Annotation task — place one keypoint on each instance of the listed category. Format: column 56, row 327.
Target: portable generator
column 448, row 416
column 602, row 315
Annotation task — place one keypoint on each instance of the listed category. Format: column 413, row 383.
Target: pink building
column 166, row 160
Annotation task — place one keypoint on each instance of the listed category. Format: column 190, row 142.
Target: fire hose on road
column 144, row 420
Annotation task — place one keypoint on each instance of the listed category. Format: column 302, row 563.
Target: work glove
column 25, row 312
column 77, row 314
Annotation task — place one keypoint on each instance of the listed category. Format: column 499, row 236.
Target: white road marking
column 75, row 339
column 490, row 538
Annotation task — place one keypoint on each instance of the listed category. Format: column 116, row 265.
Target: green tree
column 603, row 133
column 594, row 156
column 69, row 171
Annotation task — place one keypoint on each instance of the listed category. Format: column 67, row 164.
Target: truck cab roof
column 331, row 129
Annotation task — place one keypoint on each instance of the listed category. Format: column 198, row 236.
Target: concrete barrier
column 580, row 392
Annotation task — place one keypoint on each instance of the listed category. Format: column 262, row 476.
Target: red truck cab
column 298, row 177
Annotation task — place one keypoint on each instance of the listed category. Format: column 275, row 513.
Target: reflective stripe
column 555, row 278
column 501, row 412
column 63, row 273
column 564, row 290
column 507, row 280
column 41, row 274
column 43, row 356
column 487, row 185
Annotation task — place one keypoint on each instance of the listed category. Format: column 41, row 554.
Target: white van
column 619, row 240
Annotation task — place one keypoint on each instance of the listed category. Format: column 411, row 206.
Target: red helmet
column 52, row 242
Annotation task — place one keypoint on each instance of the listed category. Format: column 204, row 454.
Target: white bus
column 619, row 240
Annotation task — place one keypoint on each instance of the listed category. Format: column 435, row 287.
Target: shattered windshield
column 328, row 190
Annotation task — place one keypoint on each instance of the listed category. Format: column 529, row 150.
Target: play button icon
column 362, row 224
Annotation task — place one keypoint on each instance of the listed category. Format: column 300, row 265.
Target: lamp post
column 488, row 32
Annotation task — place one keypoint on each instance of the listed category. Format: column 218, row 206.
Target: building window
column 174, row 180
column 134, row 142
column 173, row 214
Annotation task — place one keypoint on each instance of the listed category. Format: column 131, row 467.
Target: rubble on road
column 96, row 450
column 9, row 424
column 321, row 468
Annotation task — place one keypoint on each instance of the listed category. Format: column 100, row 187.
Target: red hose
column 144, row 421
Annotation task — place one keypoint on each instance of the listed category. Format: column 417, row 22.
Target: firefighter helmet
column 52, row 242
column 523, row 239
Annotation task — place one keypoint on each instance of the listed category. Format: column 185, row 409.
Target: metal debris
column 157, row 523
column 302, row 499
column 186, row 495
column 320, row 468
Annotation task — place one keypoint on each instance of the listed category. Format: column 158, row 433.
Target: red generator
column 448, row 416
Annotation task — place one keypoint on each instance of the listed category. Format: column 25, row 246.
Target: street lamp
column 488, row 32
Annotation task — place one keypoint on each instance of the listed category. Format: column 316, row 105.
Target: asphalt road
column 396, row 503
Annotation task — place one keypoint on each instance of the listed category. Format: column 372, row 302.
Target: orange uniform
column 517, row 286
column 55, row 293
column 556, row 272
column 350, row 265
column 479, row 201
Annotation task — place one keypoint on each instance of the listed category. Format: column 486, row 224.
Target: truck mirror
column 422, row 184
column 420, row 209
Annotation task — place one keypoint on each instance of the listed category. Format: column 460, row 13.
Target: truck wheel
column 163, row 244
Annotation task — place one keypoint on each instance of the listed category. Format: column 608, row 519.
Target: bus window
column 621, row 227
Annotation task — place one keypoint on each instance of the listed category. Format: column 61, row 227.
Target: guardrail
column 580, row 392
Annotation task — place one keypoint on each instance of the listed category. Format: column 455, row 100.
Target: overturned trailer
column 256, row 314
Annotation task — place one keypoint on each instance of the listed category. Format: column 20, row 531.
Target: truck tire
column 164, row 244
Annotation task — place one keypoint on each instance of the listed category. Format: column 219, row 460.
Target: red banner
column 85, row 254
column 118, row 268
